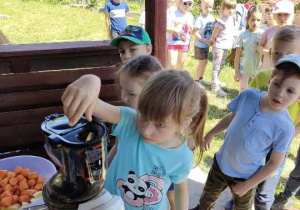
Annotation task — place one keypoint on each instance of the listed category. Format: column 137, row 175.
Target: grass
column 36, row 22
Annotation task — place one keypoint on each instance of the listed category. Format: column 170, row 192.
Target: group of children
column 248, row 33
column 164, row 122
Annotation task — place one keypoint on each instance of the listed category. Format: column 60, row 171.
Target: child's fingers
column 89, row 112
column 81, row 108
column 65, row 94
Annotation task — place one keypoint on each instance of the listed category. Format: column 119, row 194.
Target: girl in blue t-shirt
column 152, row 149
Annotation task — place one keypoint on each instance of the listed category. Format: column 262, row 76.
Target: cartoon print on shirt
column 183, row 30
column 140, row 191
column 208, row 30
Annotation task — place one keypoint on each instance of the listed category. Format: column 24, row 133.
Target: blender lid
column 83, row 134
column 59, row 124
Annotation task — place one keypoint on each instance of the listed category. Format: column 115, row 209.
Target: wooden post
column 156, row 25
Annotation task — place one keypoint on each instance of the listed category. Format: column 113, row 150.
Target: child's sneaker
column 219, row 92
column 196, row 208
column 204, row 82
column 221, row 84
column 281, row 201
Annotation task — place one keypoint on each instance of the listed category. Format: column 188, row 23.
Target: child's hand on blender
column 80, row 97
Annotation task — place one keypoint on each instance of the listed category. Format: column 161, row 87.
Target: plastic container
column 41, row 165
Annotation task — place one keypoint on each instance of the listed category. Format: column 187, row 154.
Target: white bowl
column 41, row 165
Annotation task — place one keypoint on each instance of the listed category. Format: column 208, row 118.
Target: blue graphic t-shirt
column 117, row 14
column 206, row 27
column 141, row 173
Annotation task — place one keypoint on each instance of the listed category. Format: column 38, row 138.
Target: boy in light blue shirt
column 254, row 126
column 203, row 29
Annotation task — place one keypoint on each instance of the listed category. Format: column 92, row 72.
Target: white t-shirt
column 182, row 23
column 142, row 19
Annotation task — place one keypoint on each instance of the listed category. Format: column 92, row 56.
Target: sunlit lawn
column 34, row 22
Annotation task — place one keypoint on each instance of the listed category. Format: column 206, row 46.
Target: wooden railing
column 29, row 92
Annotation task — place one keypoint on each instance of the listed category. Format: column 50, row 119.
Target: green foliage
column 134, row 6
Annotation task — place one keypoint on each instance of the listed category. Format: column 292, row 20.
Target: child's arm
column 181, row 196
column 266, row 171
column 261, row 47
column 198, row 36
column 77, row 100
column 222, row 125
column 238, row 54
column 214, row 35
column 107, row 24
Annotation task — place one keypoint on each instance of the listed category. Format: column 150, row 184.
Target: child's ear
column 149, row 49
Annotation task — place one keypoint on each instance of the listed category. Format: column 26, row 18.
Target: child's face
column 283, row 92
column 157, row 133
column 269, row 17
column 282, row 48
column 254, row 21
column 281, row 18
column 131, row 88
column 185, row 6
column 207, row 7
column 128, row 49
column 228, row 12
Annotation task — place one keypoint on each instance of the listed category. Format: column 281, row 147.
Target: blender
column 80, row 152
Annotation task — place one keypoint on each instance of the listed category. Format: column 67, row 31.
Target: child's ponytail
column 197, row 125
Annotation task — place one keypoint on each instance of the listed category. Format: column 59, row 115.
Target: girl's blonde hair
column 173, row 92
column 227, row 4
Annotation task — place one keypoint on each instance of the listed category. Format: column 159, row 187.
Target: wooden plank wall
column 30, row 92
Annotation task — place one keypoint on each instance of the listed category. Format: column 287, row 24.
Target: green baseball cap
column 136, row 34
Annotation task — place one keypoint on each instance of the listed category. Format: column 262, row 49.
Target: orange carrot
column 4, row 182
column 13, row 181
column 3, row 173
column 20, row 177
column 33, row 175
column 23, row 186
column 38, row 187
column 15, row 198
column 7, row 201
column 41, row 180
column 11, row 174
column 25, row 172
column 6, row 194
column 29, row 192
column 24, row 198
column 7, row 187
column 31, row 183
column 18, row 169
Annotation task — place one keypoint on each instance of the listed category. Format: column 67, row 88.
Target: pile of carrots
column 19, row 186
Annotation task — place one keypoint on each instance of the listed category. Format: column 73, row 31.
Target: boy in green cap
column 133, row 41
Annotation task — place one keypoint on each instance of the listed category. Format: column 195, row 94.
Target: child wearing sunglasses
column 179, row 28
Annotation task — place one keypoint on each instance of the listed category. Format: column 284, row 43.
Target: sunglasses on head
column 186, row 3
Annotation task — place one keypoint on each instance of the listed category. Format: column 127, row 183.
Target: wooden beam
column 156, row 25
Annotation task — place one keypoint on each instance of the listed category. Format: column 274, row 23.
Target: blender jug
column 80, row 151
